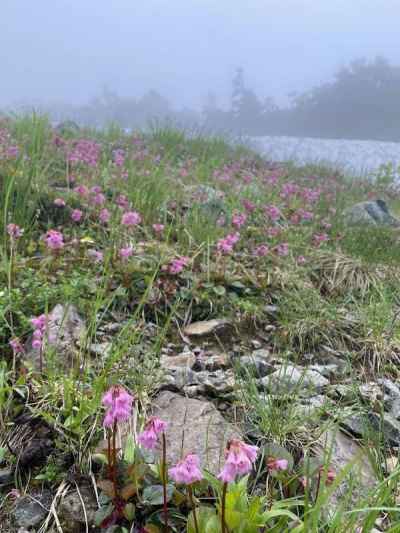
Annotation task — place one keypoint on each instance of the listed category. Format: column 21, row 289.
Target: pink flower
column 277, row 465
column 16, row 345
column 261, row 251
column 59, row 202
column 274, row 231
column 14, row 231
column 238, row 220
column 319, row 238
column 131, row 218
column 119, row 157
column 96, row 189
column 301, row 260
column 239, row 459
column 81, row 190
column 95, row 255
column 282, row 249
column 187, row 471
column 225, row 246
column 158, row 228
column 330, row 475
column 98, row 199
column 76, row 215
column 122, row 201
column 124, row 253
column 119, row 405
column 272, row 212
column 104, row 216
column 54, row 239
column 39, row 322
column 154, row 427
column 248, row 205
column 177, row 265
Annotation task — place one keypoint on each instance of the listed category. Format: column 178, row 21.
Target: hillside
column 231, row 298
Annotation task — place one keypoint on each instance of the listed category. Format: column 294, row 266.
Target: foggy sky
column 69, row 49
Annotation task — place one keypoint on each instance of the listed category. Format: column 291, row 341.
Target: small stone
column 71, row 512
column 6, row 476
column 290, row 378
column 184, row 360
column 217, row 383
column 363, row 424
column 220, row 361
column 207, row 327
column 328, row 371
column 373, row 213
column 101, row 349
column 257, row 364
column 31, row 512
column 256, row 344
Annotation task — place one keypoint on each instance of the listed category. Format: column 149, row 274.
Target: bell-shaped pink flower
column 187, row 471
column 119, row 405
column 149, row 437
column 239, row 459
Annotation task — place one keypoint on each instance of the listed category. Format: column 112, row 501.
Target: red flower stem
column 114, row 461
column 190, row 494
column 109, row 455
column 164, row 481
column 223, row 525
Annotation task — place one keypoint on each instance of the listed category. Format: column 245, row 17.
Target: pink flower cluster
column 126, row 252
column 282, row 249
column 16, row 346
column 177, row 265
column 272, row 212
column 187, row 471
column 319, row 238
column 85, row 151
column 277, row 465
column 119, row 405
column 239, row 219
column 54, row 239
column 119, row 157
column 131, row 218
column 76, row 215
column 59, row 202
column 225, row 245
column 158, row 228
column 261, row 250
column 152, row 430
column 39, row 323
column 14, row 231
column 239, row 459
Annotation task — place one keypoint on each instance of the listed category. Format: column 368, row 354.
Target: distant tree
column 246, row 108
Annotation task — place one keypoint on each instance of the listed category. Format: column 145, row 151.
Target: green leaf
column 102, row 513
column 129, row 452
column 219, row 290
column 207, row 520
column 153, row 495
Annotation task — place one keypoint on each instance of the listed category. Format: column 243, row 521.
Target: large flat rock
column 194, row 426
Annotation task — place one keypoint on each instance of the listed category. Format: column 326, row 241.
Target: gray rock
column 185, row 360
column 328, row 371
column 258, row 364
column 217, row 384
column 364, row 424
column 339, row 451
column 71, row 512
column 206, row 328
column 6, row 476
column 102, row 349
column 194, row 425
column 289, row 378
column 65, row 331
column 375, row 213
column 31, row 512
